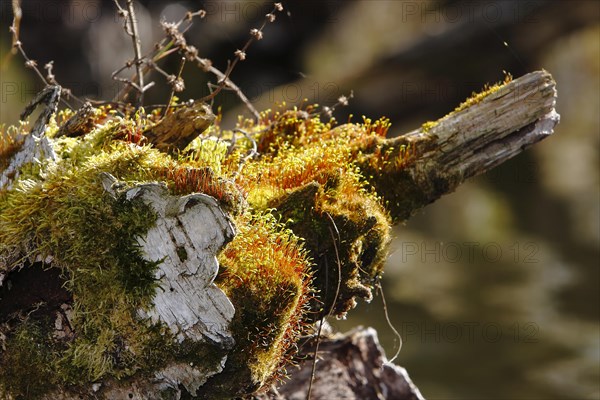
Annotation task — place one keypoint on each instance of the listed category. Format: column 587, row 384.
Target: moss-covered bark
column 312, row 206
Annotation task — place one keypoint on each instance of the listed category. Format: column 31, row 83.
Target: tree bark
column 480, row 135
column 351, row 366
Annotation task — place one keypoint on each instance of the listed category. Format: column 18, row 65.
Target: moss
column 427, row 126
column 313, row 206
column 264, row 274
column 10, row 143
column 27, row 360
column 478, row 97
column 68, row 215
column 312, row 237
column 307, row 177
column 71, row 218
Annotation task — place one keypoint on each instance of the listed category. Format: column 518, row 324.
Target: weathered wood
column 80, row 123
column 175, row 131
column 352, row 366
column 468, row 142
column 189, row 232
column 36, row 146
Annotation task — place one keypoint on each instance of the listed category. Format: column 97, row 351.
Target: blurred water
column 489, row 304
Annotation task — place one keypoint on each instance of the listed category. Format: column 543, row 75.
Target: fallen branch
column 478, row 136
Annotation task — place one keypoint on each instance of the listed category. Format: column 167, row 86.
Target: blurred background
column 494, row 288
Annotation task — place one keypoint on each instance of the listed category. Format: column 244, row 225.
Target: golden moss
column 10, row 142
column 70, row 217
column 426, row 127
column 264, row 273
column 311, row 238
column 487, row 90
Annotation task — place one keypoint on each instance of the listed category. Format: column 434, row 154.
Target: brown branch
column 470, row 141
column 207, row 66
column 351, row 366
column 191, row 54
column 131, row 28
column 175, row 131
column 177, row 85
column 16, row 25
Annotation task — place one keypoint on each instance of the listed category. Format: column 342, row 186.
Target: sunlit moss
column 487, row 90
column 10, row 142
column 426, row 127
column 68, row 215
column 312, row 236
column 265, row 275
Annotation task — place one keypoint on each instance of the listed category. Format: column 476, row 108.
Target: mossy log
column 129, row 270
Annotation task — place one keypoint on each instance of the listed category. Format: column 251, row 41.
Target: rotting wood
column 191, row 229
column 175, row 131
column 466, row 143
column 351, row 366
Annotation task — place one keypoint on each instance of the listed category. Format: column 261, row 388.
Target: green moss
column 312, row 237
column 27, row 361
column 426, row 127
column 478, row 97
column 69, row 216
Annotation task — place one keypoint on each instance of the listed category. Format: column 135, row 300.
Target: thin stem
column 15, row 27
column 135, row 38
column 240, row 54
column 29, row 63
column 174, row 86
column 387, row 318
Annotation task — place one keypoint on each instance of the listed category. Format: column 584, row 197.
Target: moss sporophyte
column 312, row 203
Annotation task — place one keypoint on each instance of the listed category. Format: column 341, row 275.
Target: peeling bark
column 189, row 232
column 352, row 366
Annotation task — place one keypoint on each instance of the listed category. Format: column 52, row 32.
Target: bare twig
column 160, row 51
column 17, row 46
column 341, row 101
column 191, row 53
column 177, row 43
column 240, row 55
column 131, row 28
column 177, row 86
column 206, row 65
column 135, row 38
column 16, row 25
